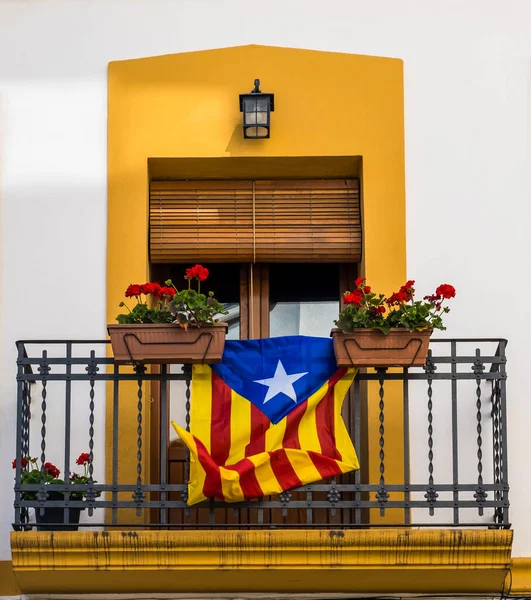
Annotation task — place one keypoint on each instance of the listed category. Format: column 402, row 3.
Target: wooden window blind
column 255, row 221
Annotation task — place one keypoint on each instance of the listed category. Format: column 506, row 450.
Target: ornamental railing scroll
column 452, row 445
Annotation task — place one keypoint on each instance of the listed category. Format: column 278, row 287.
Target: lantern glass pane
column 262, row 104
column 261, row 118
column 250, row 118
column 249, row 104
column 256, row 132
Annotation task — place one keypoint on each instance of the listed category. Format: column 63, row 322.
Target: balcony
column 432, row 489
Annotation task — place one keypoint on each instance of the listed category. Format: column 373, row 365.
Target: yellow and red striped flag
column 286, row 431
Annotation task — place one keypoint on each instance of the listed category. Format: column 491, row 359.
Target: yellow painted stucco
column 518, row 580
column 185, row 106
column 8, row 584
column 382, row 561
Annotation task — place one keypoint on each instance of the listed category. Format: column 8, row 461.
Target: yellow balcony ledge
column 379, row 561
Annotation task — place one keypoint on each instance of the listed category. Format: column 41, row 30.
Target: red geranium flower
column 398, row 297
column 51, row 470
column 197, row 271
column 365, row 309
column 83, row 458
column 404, row 294
column 133, row 290
column 150, row 288
column 446, row 291
column 23, row 462
column 433, row 298
column 166, row 291
column 355, row 297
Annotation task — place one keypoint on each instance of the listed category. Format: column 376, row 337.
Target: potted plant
column 49, row 517
column 374, row 331
column 170, row 326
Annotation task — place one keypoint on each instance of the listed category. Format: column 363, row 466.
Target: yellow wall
column 8, row 584
column 186, row 106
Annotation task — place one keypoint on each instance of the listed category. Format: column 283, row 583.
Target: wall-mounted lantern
column 256, row 108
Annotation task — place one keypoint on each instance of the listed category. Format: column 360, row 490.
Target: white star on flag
column 281, row 383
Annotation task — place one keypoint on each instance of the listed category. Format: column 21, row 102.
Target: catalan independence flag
column 267, row 419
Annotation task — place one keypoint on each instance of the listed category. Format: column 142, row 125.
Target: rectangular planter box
column 372, row 348
column 167, row 343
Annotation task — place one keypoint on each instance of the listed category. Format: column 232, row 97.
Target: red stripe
column 220, row 423
column 248, row 481
column 283, row 471
column 212, row 485
column 259, row 425
column 327, row 467
column 291, row 435
column 325, row 419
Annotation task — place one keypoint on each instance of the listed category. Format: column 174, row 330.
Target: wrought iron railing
column 452, row 450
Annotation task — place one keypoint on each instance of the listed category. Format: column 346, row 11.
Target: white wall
column 467, row 103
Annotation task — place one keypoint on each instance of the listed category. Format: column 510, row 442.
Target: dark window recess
column 223, row 279
column 308, row 282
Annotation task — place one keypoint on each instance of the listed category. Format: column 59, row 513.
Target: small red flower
column 51, row 470
column 398, row 297
column 166, row 291
column 381, row 309
column 83, row 458
column 433, row 298
column 133, row 290
column 23, row 462
column 197, row 271
column 150, row 288
column 446, row 291
column 354, row 297
column 359, row 281
column 367, row 289
column 404, row 294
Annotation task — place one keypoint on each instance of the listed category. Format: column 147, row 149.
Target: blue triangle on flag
column 277, row 374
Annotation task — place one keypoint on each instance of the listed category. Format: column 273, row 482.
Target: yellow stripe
column 240, row 428
column 343, row 439
column 201, row 404
column 230, row 484
column 264, row 474
column 274, row 435
column 197, row 473
column 308, row 436
column 302, row 465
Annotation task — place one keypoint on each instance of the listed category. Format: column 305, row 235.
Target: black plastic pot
column 52, row 517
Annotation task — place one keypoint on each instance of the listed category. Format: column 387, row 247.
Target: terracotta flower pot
column 372, row 348
column 167, row 343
